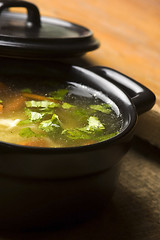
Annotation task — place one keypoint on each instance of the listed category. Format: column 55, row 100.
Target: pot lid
column 35, row 37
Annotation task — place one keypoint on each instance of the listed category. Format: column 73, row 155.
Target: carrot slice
column 89, row 142
column 1, row 108
column 39, row 97
column 15, row 103
column 35, row 143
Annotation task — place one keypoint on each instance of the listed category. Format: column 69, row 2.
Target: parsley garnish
column 34, row 116
column 94, row 124
column 59, row 94
column 51, row 124
column 67, row 106
column 41, row 104
column 27, row 132
column 87, row 132
column 104, row 108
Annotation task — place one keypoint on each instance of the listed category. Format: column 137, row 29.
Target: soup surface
column 68, row 116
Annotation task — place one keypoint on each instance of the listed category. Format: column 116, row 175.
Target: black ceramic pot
column 50, row 186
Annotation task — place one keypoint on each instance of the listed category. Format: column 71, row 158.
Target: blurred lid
column 34, row 37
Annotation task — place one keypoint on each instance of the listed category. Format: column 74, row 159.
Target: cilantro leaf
column 59, row 94
column 51, row 124
column 104, row 108
column 1, row 101
column 27, row 132
column 41, row 104
column 24, row 122
column 76, row 134
column 34, row 116
column 67, row 106
column 94, row 124
column 87, row 132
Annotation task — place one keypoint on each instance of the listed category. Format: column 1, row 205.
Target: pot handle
column 141, row 96
column 33, row 12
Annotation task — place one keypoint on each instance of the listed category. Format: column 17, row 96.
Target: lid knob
column 33, row 12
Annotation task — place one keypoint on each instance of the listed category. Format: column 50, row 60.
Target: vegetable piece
column 35, row 143
column 9, row 122
column 104, row 108
column 94, row 125
column 24, row 122
column 39, row 97
column 76, row 134
column 1, row 108
column 27, row 133
column 41, row 104
column 34, row 116
column 89, row 142
column 59, row 94
column 67, row 106
column 50, row 125
column 15, row 103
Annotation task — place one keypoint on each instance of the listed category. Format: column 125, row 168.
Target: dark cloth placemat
column 134, row 212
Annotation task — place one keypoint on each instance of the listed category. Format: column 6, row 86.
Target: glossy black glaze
column 36, row 37
column 29, row 203
column 141, row 96
column 33, row 12
column 44, row 186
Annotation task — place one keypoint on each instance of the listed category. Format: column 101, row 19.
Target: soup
column 56, row 116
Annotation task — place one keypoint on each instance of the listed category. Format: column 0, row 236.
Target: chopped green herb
column 41, row 104
column 27, row 132
column 51, row 124
column 1, row 101
column 94, row 124
column 46, row 111
column 86, row 132
column 104, row 108
column 67, row 106
column 59, row 94
column 76, row 134
column 34, row 116
column 24, row 122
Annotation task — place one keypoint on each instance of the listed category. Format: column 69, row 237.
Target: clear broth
column 56, row 116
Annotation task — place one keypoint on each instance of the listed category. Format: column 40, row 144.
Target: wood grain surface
column 129, row 33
